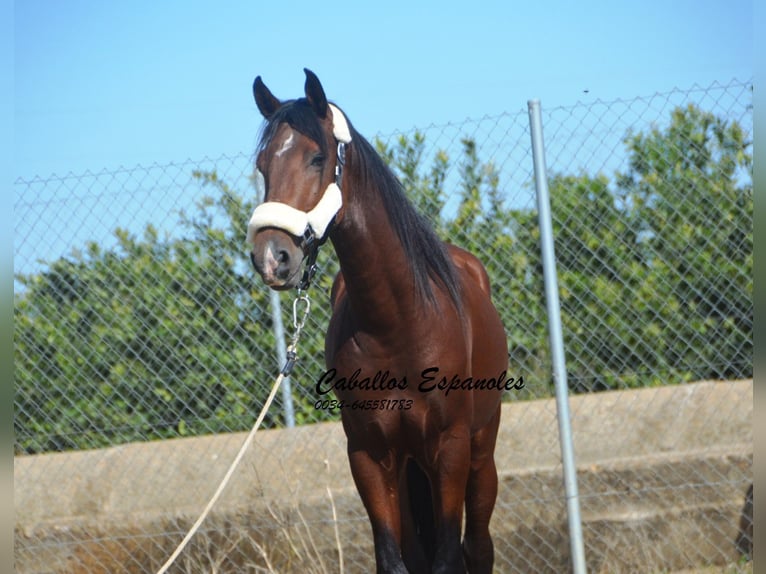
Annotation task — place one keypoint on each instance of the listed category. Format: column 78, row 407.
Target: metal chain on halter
column 312, row 246
column 298, row 322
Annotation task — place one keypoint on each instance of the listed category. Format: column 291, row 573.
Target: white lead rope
column 291, row 357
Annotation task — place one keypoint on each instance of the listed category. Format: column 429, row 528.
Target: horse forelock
column 300, row 116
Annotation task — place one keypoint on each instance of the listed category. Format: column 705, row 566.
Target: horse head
column 299, row 166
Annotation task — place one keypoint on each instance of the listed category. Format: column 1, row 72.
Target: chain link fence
column 137, row 318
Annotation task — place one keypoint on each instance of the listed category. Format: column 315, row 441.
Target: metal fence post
column 279, row 335
column 556, row 338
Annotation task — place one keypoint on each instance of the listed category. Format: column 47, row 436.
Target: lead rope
column 298, row 323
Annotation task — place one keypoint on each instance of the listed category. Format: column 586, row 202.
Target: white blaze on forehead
column 286, row 145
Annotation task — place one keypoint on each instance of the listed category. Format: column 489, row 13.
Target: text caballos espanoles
column 430, row 380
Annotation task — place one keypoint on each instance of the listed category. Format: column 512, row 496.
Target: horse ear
column 266, row 101
column 315, row 93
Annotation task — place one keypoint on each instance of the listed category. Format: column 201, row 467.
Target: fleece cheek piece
column 339, row 125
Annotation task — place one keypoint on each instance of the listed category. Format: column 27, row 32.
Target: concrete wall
column 663, row 474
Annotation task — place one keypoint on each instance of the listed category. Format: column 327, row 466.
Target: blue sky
column 102, row 84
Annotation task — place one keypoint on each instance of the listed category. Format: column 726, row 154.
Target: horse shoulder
column 468, row 264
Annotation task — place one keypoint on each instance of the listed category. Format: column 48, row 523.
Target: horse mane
column 426, row 253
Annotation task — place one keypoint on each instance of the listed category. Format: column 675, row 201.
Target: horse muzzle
column 277, row 257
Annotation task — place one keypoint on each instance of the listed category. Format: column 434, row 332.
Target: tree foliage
column 148, row 340
column 166, row 336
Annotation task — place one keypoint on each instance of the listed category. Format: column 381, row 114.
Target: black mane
column 426, row 253
column 424, row 250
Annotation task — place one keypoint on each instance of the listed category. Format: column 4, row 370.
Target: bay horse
column 415, row 350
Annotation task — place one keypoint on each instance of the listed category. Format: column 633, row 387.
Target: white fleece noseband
column 295, row 221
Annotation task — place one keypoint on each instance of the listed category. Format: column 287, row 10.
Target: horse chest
column 403, row 348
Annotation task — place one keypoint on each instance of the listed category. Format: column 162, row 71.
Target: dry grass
column 738, row 568
column 290, row 546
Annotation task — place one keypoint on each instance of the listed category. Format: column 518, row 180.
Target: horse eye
column 317, row 160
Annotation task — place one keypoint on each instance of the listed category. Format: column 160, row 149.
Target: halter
column 310, row 227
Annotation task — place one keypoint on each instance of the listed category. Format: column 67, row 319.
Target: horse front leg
column 377, row 482
column 452, row 459
column 481, row 494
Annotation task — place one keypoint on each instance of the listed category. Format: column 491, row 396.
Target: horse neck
column 375, row 268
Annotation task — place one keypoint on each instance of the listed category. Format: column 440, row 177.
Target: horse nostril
column 283, row 264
